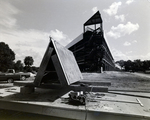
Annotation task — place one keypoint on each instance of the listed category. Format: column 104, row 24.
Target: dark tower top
column 94, row 20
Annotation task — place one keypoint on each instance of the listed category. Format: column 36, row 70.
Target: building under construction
column 90, row 48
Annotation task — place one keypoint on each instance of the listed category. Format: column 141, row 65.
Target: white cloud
column 127, row 43
column 34, row 52
column 60, row 37
column 141, row 57
column 145, row 57
column 118, row 55
column 129, row 1
column 134, row 41
column 113, row 34
column 113, row 9
column 126, row 29
column 6, row 15
column 120, row 17
column 31, row 42
column 129, row 52
column 122, row 30
column 26, row 43
column 94, row 9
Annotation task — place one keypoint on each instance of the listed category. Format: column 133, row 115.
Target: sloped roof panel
column 77, row 39
column 95, row 19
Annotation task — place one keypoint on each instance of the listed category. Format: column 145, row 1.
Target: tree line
column 7, row 60
column 136, row 65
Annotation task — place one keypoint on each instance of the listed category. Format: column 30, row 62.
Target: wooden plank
column 135, row 94
column 140, row 102
column 23, row 83
column 68, row 63
column 88, row 88
column 43, row 66
column 59, row 71
column 96, row 83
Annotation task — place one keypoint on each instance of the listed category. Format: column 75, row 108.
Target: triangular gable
column 95, row 19
column 58, row 66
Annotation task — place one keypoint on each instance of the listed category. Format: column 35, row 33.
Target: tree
column 128, row 65
column 7, row 56
column 121, row 63
column 138, row 65
column 146, row 65
column 18, row 66
column 28, row 61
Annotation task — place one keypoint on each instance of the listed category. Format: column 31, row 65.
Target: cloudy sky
column 25, row 25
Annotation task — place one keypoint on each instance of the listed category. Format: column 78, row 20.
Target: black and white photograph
column 74, row 60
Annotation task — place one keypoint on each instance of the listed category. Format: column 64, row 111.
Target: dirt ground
column 121, row 80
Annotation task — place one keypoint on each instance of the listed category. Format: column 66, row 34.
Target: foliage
column 35, row 69
column 136, row 65
column 18, row 66
column 27, row 69
column 128, row 65
column 28, row 61
column 7, row 56
column 121, row 63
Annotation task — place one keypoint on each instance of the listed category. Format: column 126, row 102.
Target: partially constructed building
column 90, row 48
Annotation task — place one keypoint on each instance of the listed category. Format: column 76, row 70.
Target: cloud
column 60, row 37
column 120, row 17
column 113, row 34
column 113, row 9
column 6, row 15
column 145, row 57
column 134, row 41
column 31, row 42
column 118, row 55
column 127, row 43
column 26, row 43
column 129, row 1
column 141, row 57
column 37, row 55
column 122, row 30
column 94, row 9
column 129, row 52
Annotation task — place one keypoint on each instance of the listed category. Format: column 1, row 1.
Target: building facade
column 90, row 48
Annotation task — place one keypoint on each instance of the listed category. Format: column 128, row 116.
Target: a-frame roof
column 95, row 19
column 60, row 61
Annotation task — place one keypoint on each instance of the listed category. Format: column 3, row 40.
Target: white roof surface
column 77, row 39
